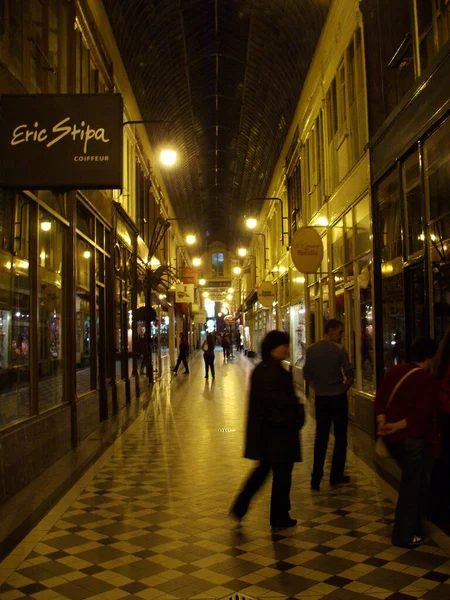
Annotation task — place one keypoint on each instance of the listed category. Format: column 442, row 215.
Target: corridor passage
column 150, row 519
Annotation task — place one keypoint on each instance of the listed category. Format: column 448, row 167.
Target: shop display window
column 437, row 170
column 51, row 361
column 413, row 204
column 388, row 196
column 337, row 245
column 84, row 256
column 14, row 310
column 393, row 311
column 118, row 329
column 367, row 371
column 362, row 226
column 298, row 334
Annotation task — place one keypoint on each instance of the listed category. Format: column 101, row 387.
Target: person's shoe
column 174, row 372
column 186, row 373
column 315, row 486
column 235, row 515
column 414, row 543
column 338, row 480
column 284, row 523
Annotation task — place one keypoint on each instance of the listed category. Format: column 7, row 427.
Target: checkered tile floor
column 150, row 520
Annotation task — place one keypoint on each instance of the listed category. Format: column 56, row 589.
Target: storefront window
column 348, row 236
column 388, row 197
column 362, row 227
column 413, row 204
column 14, row 313
column 366, row 315
column 394, row 348
column 85, row 220
column 339, row 300
column 83, row 316
column 298, row 334
column 118, row 328
column 338, row 245
column 437, row 184
column 437, row 170
column 313, row 314
column 51, row 248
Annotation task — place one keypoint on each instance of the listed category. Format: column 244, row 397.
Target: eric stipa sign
column 61, row 141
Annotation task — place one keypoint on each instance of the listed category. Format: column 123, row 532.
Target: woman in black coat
column 275, row 417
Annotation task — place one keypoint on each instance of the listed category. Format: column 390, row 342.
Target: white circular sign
column 266, row 294
column 307, row 250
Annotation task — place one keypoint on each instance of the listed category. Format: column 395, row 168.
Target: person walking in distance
column 329, row 371
column 274, row 420
column 182, row 355
column 208, row 355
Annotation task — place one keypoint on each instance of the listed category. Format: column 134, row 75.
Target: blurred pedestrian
column 208, row 347
column 182, row 355
column 274, row 420
column 329, row 371
column 406, row 412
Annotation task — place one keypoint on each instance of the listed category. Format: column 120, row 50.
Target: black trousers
column 439, row 492
column 330, row 409
column 209, row 364
column 280, row 503
column 413, row 457
column 182, row 359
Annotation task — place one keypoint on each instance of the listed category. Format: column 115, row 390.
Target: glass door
column 100, row 355
column 415, row 303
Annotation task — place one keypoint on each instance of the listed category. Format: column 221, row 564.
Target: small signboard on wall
column 184, row 292
column 61, row 141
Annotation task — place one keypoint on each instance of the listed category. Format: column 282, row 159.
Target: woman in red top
column 408, row 424
column 439, row 499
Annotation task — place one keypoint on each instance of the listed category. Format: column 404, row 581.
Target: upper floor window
column 217, row 264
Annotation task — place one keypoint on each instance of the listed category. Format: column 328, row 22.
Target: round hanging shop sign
column 307, row 250
column 266, row 294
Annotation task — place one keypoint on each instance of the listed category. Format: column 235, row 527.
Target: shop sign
column 201, row 316
column 184, row 292
column 266, row 294
column 61, row 141
column 229, row 320
column 307, row 250
column 190, row 275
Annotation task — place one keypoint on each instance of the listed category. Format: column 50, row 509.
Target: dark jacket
column 275, row 415
column 183, row 347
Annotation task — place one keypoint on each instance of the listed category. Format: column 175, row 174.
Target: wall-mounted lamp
column 196, row 261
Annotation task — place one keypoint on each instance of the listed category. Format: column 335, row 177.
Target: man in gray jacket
column 329, row 371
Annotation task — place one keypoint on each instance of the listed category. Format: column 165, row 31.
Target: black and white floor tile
column 150, row 519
